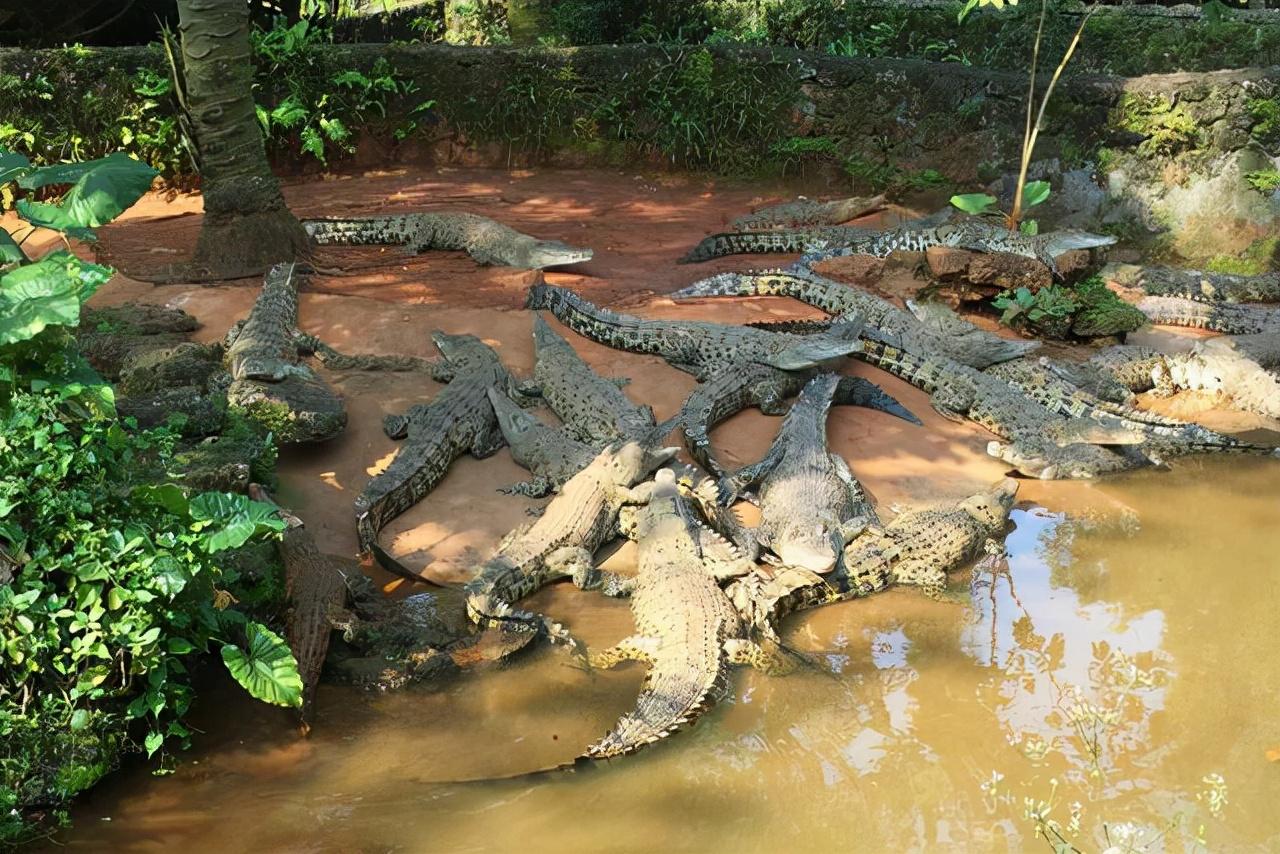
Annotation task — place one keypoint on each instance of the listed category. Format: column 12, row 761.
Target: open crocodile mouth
column 811, row 556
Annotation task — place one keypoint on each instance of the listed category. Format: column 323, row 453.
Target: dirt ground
column 383, row 301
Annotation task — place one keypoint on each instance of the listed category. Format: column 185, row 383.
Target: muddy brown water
column 1126, row 657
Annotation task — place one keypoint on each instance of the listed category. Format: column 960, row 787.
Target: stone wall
column 1187, row 161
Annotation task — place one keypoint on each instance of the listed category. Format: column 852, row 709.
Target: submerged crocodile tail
column 659, row 713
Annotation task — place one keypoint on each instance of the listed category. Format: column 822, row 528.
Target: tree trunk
column 247, row 226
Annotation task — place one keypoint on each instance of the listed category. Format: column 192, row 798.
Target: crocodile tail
column 654, row 717
column 744, row 242
column 719, row 285
column 365, row 231
column 856, row 391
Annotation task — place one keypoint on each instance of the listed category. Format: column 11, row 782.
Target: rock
column 227, row 463
column 995, row 271
column 107, row 337
column 199, row 413
column 300, row 408
column 164, row 368
column 948, row 262
column 860, row 270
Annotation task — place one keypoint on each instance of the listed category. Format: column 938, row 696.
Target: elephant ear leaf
column 266, row 669
column 46, row 293
column 100, row 191
column 12, row 166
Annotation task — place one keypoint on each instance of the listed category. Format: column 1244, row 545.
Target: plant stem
column 1015, row 215
column 1029, row 143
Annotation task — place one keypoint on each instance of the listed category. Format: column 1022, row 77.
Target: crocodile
column 315, row 587
column 1236, row 319
column 561, row 542
column 829, row 241
column 591, row 406
column 810, row 504
column 1238, row 368
column 959, row 339
column 807, row 212
column 550, row 454
column 687, row 630
column 268, row 383
column 1195, row 284
column 486, row 241
column 459, row 420
column 698, row 347
column 918, row 548
column 739, row 386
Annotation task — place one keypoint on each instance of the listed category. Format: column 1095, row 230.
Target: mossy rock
column 1099, row 321
column 244, row 453
column 193, row 411
column 108, row 337
column 155, row 370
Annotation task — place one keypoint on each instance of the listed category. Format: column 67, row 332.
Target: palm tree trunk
column 247, row 226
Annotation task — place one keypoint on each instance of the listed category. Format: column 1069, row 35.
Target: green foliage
column 1167, row 128
column 1265, row 114
column 974, row 203
column 266, row 668
column 1025, row 307
column 309, row 105
column 1087, row 309
column 1261, row 256
column 112, row 583
column 1265, row 181
column 1102, row 312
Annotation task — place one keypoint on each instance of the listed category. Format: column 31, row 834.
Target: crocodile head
column 812, row 544
column 462, row 351
column 514, row 422
column 630, row 462
column 536, row 254
column 807, row 351
column 991, row 507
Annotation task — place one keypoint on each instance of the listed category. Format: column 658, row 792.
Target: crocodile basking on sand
column 561, row 542
column 486, row 241
column 952, row 336
column 698, row 347
column 918, row 548
column 268, row 383
column 592, row 407
column 1232, row 318
column 459, row 420
column 829, row 241
column 1240, row 368
column 739, row 386
column 807, row 212
column 811, row 506
column 1195, row 284
column 687, row 630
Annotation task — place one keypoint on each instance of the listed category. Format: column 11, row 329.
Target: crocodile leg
column 744, row 652
column 534, row 487
column 635, row 648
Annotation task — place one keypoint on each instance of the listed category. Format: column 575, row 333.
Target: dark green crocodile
column 807, row 212
column 1195, row 284
column 551, row 454
column 1235, row 319
column 810, row 504
column 952, row 336
column 917, row 548
column 700, row 348
column 829, row 241
column 485, row 240
column 561, row 542
column 687, row 630
column 739, row 386
column 459, row 420
column 591, row 406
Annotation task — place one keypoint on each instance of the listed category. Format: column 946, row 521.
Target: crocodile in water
column 485, row 240
column 459, row 420
column 810, row 504
column 590, row 405
column 687, row 630
column 807, row 212
column 581, row 518
column 701, row 348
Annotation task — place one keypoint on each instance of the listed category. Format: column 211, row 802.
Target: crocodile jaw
column 553, row 253
column 817, row 557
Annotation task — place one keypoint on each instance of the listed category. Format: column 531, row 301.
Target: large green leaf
column 12, row 165
column 53, row 217
column 10, row 251
column 229, row 520
column 46, row 293
column 267, row 669
column 973, row 203
column 101, row 190
column 1034, row 193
